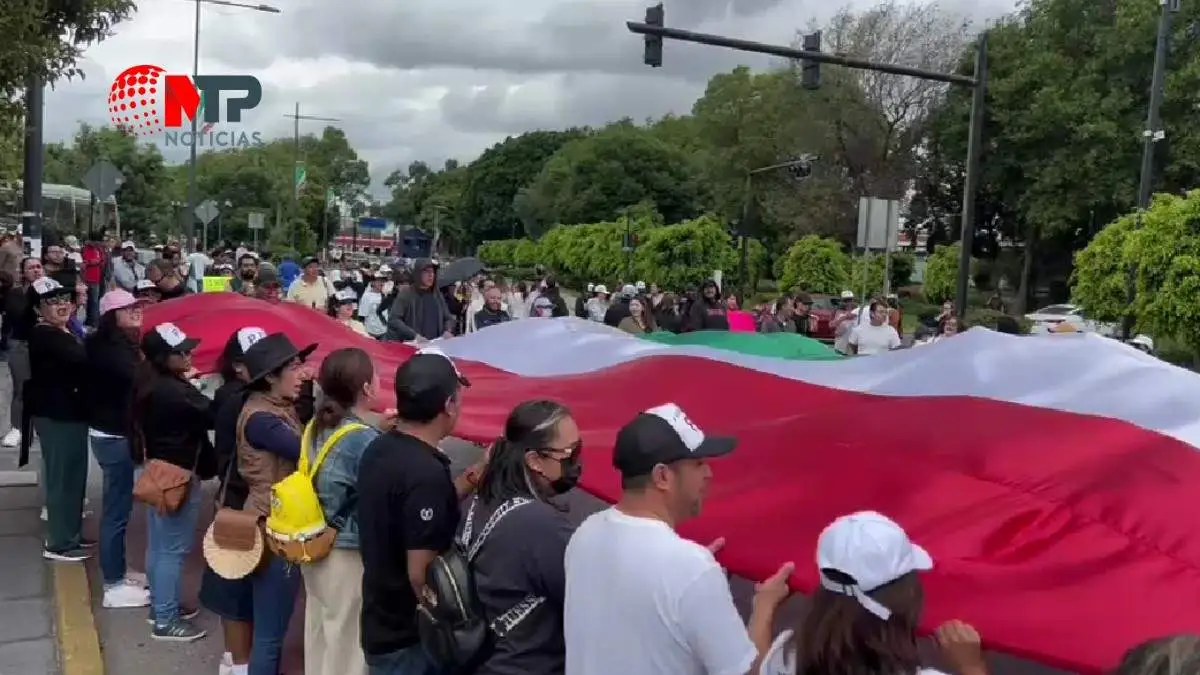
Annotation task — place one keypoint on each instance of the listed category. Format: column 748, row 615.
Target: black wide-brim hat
column 271, row 353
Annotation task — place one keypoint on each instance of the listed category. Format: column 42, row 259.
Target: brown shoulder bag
column 163, row 486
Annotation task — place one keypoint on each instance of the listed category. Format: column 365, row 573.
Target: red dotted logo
column 135, row 100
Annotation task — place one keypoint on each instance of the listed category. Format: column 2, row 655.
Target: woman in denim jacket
column 348, row 383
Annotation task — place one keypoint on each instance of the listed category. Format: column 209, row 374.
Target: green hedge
column 673, row 256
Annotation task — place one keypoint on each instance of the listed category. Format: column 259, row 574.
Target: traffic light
column 654, row 43
column 810, row 71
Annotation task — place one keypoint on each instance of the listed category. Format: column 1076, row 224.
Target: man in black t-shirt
column 408, row 510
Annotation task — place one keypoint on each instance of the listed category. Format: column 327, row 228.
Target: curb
column 78, row 639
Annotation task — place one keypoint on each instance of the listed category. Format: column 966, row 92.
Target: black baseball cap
column 425, row 382
column 663, row 435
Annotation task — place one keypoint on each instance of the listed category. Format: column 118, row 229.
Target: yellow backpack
column 296, row 528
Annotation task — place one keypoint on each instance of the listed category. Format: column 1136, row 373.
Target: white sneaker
column 12, row 439
column 226, row 666
column 125, row 595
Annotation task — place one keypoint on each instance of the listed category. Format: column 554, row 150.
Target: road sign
column 372, row 223
column 878, row 223
column 257, row 221
column 103, row 180
column 207, row 211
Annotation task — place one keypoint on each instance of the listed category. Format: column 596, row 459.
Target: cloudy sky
column 431, row 80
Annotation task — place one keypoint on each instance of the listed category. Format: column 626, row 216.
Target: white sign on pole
column 257, row 221
column 878, row 223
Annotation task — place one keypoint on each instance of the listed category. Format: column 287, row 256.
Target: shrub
column 815, row 265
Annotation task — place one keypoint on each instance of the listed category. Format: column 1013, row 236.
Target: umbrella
column 459, row 270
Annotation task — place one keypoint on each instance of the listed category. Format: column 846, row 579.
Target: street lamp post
column 804, row 164
column 191, row 200
column 296, row 164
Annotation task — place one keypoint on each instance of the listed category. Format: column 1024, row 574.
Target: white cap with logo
column 872, row 549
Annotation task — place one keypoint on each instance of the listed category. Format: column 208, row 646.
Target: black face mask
column 572, row 469
column 248, row 275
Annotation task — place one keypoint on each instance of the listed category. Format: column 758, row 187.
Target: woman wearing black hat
column 171, row 419
column 54, row 403
column 268, row 447
column 233, row 599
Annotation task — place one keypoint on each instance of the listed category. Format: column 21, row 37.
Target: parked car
column 820, row 314
column 1047, row 318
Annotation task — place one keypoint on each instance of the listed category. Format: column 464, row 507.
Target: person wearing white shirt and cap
column 127, row 271
column 865, row 613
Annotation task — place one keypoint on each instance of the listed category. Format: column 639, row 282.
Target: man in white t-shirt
column 640, row 599
column 876, row 336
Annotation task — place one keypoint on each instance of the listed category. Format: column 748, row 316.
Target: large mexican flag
column 1054, row 479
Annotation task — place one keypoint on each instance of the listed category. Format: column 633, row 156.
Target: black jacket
column 616, row 313
column 58, row 375
column 486, row 317
column 174, row 419
column 707, row 314
column 112, row 358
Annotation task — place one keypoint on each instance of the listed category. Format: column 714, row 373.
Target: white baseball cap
column 128, row 244
column 601, row 288
column 591, row 288
column 872, row 549
column 847, row 295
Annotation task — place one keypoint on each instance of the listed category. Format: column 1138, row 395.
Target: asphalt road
column 127, row 648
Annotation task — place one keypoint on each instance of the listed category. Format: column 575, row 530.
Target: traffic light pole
column 978, row 83
column 1152, row 134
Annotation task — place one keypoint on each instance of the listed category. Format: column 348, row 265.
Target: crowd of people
column 406, row 567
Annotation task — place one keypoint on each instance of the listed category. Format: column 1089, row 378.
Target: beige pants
column 331, row 615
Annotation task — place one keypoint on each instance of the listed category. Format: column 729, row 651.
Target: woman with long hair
column 55, row 406
column 171, row 419
column 333, row 586
column 641, row 318
column 268, row 446
column 521, row 562
column 864, row 614
column 113, row 355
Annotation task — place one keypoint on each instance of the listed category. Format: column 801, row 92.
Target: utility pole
column 1152, row 134
column 297, row 164
column 192, row 201
column 974, row 148
column 31, row 203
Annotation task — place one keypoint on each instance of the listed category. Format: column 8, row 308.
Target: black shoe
column 70, row 555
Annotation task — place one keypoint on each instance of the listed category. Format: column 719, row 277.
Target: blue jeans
column 275, row 586
column 408, row 661
column 169, row 541
column 112, row 454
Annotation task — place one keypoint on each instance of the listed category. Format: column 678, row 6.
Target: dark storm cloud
column 533, row 38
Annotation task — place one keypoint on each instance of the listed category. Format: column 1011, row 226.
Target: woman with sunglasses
column 56, row 409
column 521, row 563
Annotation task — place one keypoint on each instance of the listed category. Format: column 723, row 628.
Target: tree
column 260, row 179
column 144, row 198
column 494, row 179
column 1068, row 89
column 591, row 179
column 47, row 39
column 1164, row 253
column 815, row 265
column 941, row 274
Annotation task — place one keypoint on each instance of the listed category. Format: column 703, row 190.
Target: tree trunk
column 1024, row 291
